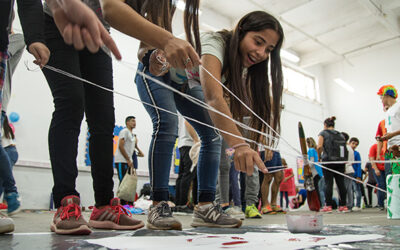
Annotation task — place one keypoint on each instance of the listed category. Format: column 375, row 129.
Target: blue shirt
column 357, row 166
column 312, row 152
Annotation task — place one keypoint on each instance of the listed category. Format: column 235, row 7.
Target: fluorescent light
column 180, row 5
column 290, row 56
column 344, row 85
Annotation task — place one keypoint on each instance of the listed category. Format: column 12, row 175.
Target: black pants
column 362, row 188
column 329, row 176
column 370, row 190
column 185, row 177
column 316, row 179
column 73, row 98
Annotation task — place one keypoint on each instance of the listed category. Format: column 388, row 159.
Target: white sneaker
column 6, row 224
column 235, row 212
column 356, row 209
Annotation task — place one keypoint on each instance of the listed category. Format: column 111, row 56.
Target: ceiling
column 324, row 31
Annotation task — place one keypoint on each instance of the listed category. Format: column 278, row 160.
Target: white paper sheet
column 230, row 241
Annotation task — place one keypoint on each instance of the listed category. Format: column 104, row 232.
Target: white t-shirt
column 392, row 123
column 349, row 166
column 129, row 146
column 184, row 138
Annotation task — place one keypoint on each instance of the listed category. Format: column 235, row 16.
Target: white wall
column 359, row 113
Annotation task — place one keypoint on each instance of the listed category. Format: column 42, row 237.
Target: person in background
column 349, row 171
column 371, row 181
column 354, row 142
column 315, row 169
column 378, row 172
column 300, row 198
column 287, row 186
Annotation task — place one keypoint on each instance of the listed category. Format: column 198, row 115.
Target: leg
column 210, row 151
column 165, row 132
column 223, row 176
column 281, row 198
column 99, row 108
column 370, row 189
column 265, row 189
column 183, row 185
column 321, row 186
column 234, row 184
column 357, row 191
column 278, row 177
column 340, row 184
column 328, row 176
column 287, row 199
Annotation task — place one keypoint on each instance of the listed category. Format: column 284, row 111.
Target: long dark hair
column 266, row 106
column 160, row 12
column 8, row 132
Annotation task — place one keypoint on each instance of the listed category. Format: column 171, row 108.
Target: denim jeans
column 321, row 185
column 348, row 183
column 381, row 179
column 165, row 132
column 6, row 176
column 72, row 99
column 234, row 185
column 357, row 191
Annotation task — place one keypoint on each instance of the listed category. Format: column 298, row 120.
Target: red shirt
column 381, row 132
column 373, row 153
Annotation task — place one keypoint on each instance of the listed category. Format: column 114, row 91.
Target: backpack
column 335, row 148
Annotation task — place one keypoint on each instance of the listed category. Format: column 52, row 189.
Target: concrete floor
column 32, row 230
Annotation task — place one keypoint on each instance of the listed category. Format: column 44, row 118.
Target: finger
column 88, row 41
column 260, row 164
column 36, row 55
column 249, row 165
column 44, row 55
column 236, row 163
column 77, row 38
column 194, row 57
column 182, row 56
column 94, row 29
column 242, row 164
column 109, row 43
column 67, row 34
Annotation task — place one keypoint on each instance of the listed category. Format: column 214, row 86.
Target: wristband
column 240, row 145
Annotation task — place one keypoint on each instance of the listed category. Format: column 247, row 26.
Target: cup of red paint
column 304, row 223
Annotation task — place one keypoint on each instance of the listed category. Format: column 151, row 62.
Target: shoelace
column 71, row 210
column 120, row 210
column 164, row 210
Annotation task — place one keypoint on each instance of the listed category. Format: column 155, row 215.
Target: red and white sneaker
column 327, row 209
column 68, row 218
column 114, row 216
column 343, row 209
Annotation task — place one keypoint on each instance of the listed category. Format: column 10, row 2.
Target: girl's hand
column 246, row 158
column 158, row 63
column 180, row 54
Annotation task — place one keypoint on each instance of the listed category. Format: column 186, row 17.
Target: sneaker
column 68, row 218
column 235, row 212
column 278, row 209
column 267, row 210
column 343, row 209
column 114, row 216
column 6, row 224
column 211, row 215
column 160, row 218
column 13, row 203
column 381, row 208
column 3, row 206
column 356, row 209
column 252, row 212
column 327, row 209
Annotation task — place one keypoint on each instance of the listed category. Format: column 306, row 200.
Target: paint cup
column 393, row 194
column 304, row 223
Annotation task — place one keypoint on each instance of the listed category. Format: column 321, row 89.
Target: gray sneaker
column 160, row 218
column 212, row 216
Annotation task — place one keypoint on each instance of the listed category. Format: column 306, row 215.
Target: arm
column 320, row 146
column 140, row 154
column 377, row 172
column 388, row 136
column 191, row 132
column 245, row 158
column 31, row 15
column 121, row 148
column 80, row 27
column 123, row 18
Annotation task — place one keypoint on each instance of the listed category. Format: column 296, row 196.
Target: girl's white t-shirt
column 392, row 123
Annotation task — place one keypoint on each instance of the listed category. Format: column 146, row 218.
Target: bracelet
column 240, row 145
column 146, row 58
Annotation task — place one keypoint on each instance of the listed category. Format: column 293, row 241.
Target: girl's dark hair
column 8, row 132
column 330, row 122
column 311, row 143
column 258, row 92
column 160, row 12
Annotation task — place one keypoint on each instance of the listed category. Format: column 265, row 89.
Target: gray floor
column 32, row 230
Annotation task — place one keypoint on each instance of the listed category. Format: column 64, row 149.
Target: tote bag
column 127, row 188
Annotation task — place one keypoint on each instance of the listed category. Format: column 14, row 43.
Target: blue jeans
column 357, row 190
column 165, row 132
column 381, row 184
column 6, row 176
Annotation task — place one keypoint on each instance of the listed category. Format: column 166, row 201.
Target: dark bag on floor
column 335, row 147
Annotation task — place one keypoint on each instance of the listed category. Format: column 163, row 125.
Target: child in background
column 300, row 198
column 287, row 187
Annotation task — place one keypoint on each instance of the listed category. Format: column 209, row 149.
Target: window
column 300, row 84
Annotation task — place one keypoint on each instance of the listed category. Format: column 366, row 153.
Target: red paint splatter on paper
column 316, row 239
column 294, row 239
column 237, row 238
column 234, row 243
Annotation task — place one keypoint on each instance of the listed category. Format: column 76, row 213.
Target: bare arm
column 374, row 166
column 191, row 132
column 123, row 18
column 140, row 154
column 320, row 146
column 245, row 158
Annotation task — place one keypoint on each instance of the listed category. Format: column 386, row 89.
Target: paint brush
column 312, row 195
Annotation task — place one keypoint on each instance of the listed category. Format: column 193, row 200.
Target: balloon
column 14, row 117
